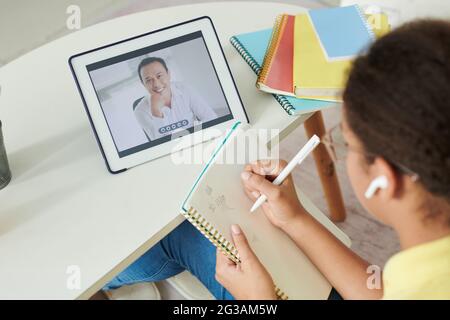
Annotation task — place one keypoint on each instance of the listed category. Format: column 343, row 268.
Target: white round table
column 62, row 207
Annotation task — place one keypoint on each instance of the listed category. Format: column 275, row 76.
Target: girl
column 395, row 133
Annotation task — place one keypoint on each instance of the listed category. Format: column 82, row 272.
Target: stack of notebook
column 304, row 59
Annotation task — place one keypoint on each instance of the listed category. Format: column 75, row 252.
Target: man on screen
column 170, row 106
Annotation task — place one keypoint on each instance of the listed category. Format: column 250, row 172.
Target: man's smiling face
column 155, row 78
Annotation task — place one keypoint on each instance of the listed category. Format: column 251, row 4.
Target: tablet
column 148, row 95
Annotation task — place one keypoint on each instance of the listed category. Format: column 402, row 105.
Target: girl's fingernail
column 255, row 194
column 268, row 170
column 245, row 175
column 235, row 229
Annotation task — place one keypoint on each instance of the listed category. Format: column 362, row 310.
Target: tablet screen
column 154, row 94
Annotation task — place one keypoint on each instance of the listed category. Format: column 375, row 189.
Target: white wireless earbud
column 377, row 183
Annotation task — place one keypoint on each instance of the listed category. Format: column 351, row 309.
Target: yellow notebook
column 315, row 76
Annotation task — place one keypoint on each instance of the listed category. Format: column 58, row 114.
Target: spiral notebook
column 214, row 204
column 252, row 48
column 326, row 41
column 343, row 32
column 276, row 71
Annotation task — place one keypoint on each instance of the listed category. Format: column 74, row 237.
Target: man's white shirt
column 188, row 108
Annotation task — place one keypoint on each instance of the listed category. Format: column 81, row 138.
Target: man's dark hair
column 149, row 60
column 397, row 101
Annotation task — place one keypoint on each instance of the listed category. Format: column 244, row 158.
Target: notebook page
column 220, row 199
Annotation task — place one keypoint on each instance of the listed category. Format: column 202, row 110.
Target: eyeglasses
column 338, row 148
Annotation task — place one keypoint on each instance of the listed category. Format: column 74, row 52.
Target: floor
column 34, row 27
column 25, row 24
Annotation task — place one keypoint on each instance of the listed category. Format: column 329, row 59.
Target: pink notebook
column 276, row 75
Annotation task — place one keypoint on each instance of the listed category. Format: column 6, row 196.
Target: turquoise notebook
column 342, row 32
column 252, row 47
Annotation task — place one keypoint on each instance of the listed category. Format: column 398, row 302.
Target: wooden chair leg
column 326, row 169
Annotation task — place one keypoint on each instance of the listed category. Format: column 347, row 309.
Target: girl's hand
column 248, row 280
column 282, row 205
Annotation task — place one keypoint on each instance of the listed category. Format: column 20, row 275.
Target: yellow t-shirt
column 421, row 272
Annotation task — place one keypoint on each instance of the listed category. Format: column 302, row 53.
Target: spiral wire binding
column 213, row 235
column 282, row 100
column 273, row 44
column 247, row 57
column 366, row 24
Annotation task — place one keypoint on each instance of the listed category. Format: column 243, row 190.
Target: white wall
column 27, row 24
column 400, row 11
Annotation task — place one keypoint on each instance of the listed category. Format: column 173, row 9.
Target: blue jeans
column 185, row 248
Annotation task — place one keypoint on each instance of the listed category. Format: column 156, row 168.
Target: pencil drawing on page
column 216, row 201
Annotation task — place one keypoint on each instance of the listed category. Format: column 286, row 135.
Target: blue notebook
column 342, row 32
column 252, row 47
